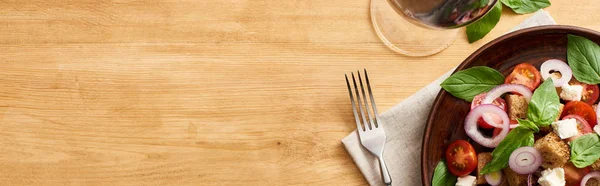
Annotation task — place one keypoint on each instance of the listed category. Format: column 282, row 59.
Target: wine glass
column 424, row 27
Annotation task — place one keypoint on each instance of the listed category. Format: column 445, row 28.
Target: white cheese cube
column 565, row 128
column 597, row 129
column 467, row 180
column 571, row 92
column 553, row 177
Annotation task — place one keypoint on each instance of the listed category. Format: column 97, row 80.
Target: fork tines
column 369, row 120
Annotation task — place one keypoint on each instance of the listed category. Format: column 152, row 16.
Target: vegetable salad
column 538, row 124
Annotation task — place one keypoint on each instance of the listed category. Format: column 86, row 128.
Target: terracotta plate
column 533, row 45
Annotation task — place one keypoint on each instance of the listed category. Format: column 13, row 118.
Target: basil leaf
column 442, row 177
column 468, row 83
column 528, row 124
column 544, row 105
column 512, row 3
column 583, row 56
column 585, row 150
column 480, row 28
column 518, row 137
column 526, row 6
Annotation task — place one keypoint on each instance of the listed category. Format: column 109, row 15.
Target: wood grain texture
column 213, row 92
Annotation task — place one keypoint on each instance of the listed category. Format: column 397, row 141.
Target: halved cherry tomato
column 498, row 130
column 582, row 126
column 524, row 74
column 582, row 109
column 590, row 92
column 574, row 175
column 498, row 102
column 461, row 158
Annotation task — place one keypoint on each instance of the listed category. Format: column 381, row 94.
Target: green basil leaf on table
column 583, row 56
column 544, row 105
column 482, row 27
column 518, row 137
column 443, row 177
column 512, row 3
column 468, row 83
column 585, row 150
column 526, row 6
column 528, row 124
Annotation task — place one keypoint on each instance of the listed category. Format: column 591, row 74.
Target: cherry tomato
column 590, row 92
column 524, row 74
column 574, row 175
column 498, row 130
column 582, row 126
column 498, row 102
column 461, row 158
column 582, row 109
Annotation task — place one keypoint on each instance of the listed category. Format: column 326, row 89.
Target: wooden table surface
column 212, row 92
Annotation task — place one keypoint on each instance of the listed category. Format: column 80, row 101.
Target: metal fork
column 370, row 130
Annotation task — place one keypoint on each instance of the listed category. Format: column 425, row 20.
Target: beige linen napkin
column 404, row 125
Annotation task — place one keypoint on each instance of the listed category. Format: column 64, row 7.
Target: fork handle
column 384, row 172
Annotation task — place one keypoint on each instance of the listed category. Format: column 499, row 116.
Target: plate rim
column 466, row 62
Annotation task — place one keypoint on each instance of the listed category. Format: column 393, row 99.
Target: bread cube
column 482, row 160
column 517, row 106
column 592, row 182
column 555, row 152
column 513, row 178
column 596, row 165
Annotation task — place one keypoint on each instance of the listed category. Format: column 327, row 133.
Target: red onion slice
column 475, row 134
column 557, row 65
column 492, row 121
column 529, row 180
column 505, row 88
column 525, row 160
column 494, row 178
column 591, row 175
column 502, row 89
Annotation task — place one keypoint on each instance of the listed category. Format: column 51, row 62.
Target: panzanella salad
column 539, row 125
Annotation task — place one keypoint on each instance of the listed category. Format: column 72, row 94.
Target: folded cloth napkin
column 404, row 125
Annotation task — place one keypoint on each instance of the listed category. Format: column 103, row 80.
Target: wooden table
column 206, row 92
